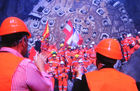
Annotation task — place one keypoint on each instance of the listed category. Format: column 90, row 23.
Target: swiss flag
column 72, row 36
column 68, row 30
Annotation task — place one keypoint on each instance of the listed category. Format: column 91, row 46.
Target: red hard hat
column 13, row 25
column 109, row 48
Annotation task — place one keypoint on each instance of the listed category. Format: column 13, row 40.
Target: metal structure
column 91, row 18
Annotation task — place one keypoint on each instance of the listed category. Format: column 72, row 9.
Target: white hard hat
column 93, row 43
column 62, row 62
column 129, row 35
column 138, row 32
column 91, row 46
column 80, row 61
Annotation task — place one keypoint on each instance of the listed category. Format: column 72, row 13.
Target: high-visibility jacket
column 138, row 39
column 109, row 79
column 51, row 70
column 86, row 62
column 92, row 57
column 61, row 52
column 74, row 52
column 62, row 78
column 126, row 48
column 73, row 68
column 131, row 40
column 90, row 51
column 68, row 54
column 92, row 60
column 8, row 65
column 136, row 47
column 68, row 58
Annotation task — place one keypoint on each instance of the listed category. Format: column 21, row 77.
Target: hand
column 39, row 61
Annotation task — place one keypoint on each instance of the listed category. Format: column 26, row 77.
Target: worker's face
column 85, row 57
column 54, row 57
column 124, row 35
column 62, row 65
column 50, row 64
column 80, row 63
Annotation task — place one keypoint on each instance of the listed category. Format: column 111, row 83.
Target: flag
column 80, row 40
column 76, row 38
column 72, row 36
column 68, row 40
column 68, row 30
column 46, row 32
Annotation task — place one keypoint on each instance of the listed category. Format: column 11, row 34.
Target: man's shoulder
column 25, row 62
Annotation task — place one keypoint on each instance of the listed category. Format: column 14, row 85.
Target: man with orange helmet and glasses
column 108, row 51
column 18, row 73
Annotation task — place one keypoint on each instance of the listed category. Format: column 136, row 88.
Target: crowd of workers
column 47, row 64
column 67, row 62
column 130, row 44
column 72, row 62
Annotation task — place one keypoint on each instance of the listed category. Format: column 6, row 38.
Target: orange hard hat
column 13, row 25
column 109, row 48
